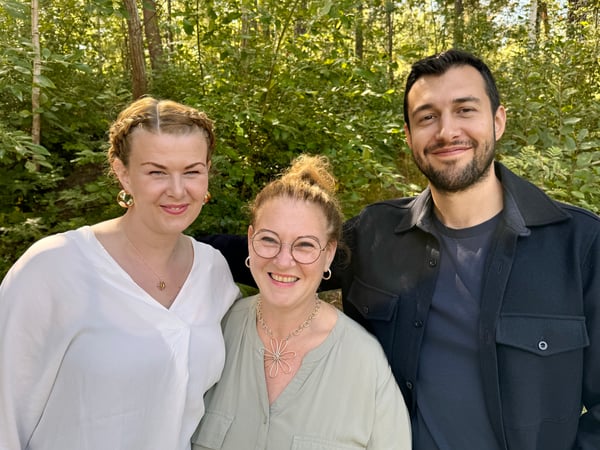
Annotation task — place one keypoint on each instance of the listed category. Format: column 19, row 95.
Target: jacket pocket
column 542, row 335
column 370, row 302
column 540, row 364
column 376, row 309
column 212, row 431
column 314, row 443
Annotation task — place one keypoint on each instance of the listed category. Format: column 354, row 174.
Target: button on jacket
column 539, row 327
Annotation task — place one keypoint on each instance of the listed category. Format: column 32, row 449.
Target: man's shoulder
column 399, row 206
column 581, row 216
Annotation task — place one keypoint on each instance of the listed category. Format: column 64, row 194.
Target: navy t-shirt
column 451, row 411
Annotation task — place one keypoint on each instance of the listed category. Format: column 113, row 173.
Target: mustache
column 457, row 143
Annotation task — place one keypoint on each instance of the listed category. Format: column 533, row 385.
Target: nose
column 176, row 186
column 448, row 128
column 284, row 257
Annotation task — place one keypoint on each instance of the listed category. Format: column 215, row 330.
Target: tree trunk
column 136, row 50
column 459, row 23
column 359, row 36
column 389, row 25
column 170, row 46
column 36, row 124
column 152, row 34
column 533, row 23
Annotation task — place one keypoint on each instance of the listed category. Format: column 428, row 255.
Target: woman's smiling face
column 167, row 176
column 281, row 279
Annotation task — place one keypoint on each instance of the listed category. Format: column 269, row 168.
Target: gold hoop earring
column 328, row 276
column 247, row 262
column 207, row 197
column 125, row 199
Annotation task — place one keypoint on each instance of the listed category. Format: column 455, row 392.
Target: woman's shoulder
column 242, row 306
column 47, row 260
column 361, row 340
column 56, row 246
column 234, row 321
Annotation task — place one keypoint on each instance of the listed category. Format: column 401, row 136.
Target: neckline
column 102, row 252
column 461, row 233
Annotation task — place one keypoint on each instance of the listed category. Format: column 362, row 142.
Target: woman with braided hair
column 110, row 334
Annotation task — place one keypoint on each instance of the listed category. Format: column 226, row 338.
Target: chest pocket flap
column 542, row 335
column 372, row 303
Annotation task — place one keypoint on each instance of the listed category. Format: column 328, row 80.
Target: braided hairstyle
column 308, row 178
column 156, row 116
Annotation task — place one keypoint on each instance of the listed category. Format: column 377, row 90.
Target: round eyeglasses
column 304, row 249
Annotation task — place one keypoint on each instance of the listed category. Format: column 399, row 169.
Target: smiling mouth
column 175, row 209
column 283, row 279
column 449, row 151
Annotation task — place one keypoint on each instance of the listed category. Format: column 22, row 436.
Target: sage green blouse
column 344, row 395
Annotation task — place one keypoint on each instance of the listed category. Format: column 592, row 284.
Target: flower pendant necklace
column 278, row 357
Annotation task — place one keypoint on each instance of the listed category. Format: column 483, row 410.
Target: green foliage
column 281, row 78
column 553, row 134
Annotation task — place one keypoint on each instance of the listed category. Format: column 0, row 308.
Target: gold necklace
column 161, row 285
column 277, row 358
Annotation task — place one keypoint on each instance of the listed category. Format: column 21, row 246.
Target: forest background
column 279, row 77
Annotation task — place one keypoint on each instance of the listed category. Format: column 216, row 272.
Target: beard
column 451, row 178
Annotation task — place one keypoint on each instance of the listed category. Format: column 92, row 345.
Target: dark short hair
column 440, row 63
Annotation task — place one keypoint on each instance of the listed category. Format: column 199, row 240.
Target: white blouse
column 90, row 361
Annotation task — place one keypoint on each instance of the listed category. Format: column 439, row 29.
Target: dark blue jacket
column 539, row 330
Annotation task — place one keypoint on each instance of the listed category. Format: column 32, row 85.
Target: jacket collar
column 525, row 205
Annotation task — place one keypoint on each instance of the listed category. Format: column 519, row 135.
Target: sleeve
column 341, row 268
column 588, row 433
column 343, row 271
column 391, row 428
column 225, row 282
column 235, row 250
column 30, row 348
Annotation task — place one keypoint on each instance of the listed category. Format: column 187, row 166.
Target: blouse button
column 543, row 345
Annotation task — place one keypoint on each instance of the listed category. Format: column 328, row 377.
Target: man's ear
column 408, row 136
column 499, row 122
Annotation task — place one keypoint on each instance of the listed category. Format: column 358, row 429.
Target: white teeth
column 283, row 279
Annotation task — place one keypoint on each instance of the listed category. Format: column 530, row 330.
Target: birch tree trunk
column 36, row 124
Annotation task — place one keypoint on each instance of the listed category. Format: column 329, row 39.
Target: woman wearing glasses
column 299, row 374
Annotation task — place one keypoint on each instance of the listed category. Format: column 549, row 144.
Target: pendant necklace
column 277, row 358
column 161, row 285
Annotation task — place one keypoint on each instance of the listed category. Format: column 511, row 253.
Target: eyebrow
column 160, row 166
column 456, row 101
column 466, row 99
